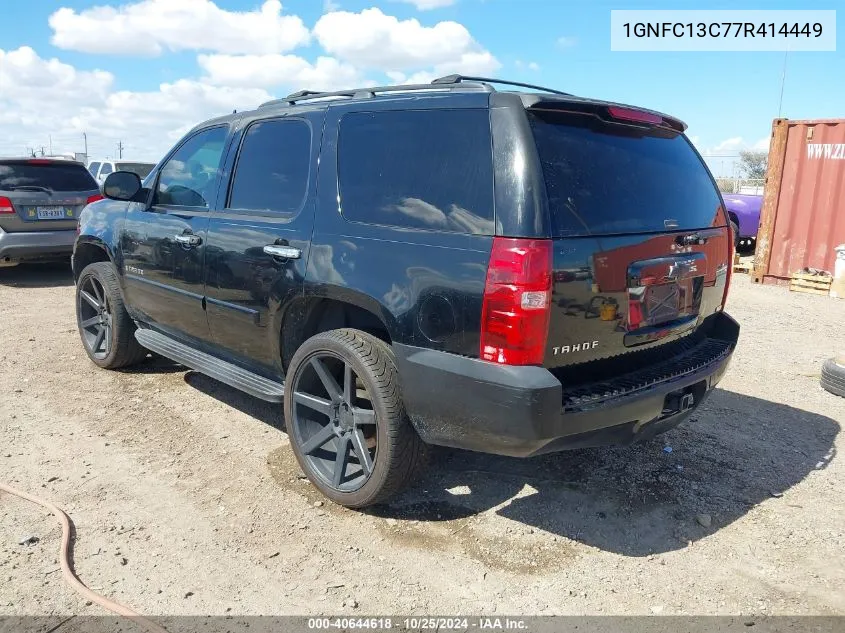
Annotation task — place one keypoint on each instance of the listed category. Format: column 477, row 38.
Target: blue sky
column 727, row 99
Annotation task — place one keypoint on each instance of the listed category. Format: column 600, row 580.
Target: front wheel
column 346, row 420
column 106, row 329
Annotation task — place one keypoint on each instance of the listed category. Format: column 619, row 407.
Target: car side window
column 421, row 169
column 189, row 176
column 94, row 168
column 271, row 173
column 106, row 169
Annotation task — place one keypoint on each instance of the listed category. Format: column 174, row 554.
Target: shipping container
column 803, row 216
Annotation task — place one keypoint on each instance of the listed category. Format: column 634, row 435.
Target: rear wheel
column 346, row 420
column 106, row 329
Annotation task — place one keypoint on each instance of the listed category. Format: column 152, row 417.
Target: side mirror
column 122, row 185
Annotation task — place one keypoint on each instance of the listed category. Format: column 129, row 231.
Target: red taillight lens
column 6, row 206
column 635, row 116
column 730, row 272
column 94, row 198
column 517, row 302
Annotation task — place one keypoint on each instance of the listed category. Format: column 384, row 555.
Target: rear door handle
column 283, row 252
column 187, row 239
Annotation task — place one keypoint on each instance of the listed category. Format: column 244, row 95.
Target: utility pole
column 782, row 81
column 85, row 138
column 42, row 150
column 119, row 149
column 50, row 138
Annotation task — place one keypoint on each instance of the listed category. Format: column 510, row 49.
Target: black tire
column 399, row 451
column 833, row 377
column 118, row 347
column 735, row 229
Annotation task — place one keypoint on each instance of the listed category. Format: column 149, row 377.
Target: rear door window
column 54, row 176
column 273, row 167
column 421, row 169
column 605, row 178
column 94, row 168
column 106, row 169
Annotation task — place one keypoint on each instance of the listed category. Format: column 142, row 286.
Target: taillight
column 94, row 198
column 6, row 206
column 730, row 272
column 635, row 116
column 517, row 302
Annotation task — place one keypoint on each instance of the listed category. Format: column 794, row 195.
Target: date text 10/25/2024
column 419, row 624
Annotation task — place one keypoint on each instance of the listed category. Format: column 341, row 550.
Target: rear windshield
column 603, row 178
column 52, row 176
column 142, row 169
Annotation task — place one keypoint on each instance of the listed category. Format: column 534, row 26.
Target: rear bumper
column 523, row 411
column 35, row 245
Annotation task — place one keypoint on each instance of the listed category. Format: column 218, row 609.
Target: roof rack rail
column 456, row 79
column 309, row 95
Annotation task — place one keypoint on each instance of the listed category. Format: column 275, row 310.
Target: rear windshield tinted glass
column 421, row 169
column 52, row 176
column 142, row 169
column 604, row 179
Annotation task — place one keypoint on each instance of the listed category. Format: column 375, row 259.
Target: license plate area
column 663, row 293
column 53, row 213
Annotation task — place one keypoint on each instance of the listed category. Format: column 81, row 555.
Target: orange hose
column 68, row 573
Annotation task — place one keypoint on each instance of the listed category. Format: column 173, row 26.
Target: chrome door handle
column 186, row 239
column 283, row 252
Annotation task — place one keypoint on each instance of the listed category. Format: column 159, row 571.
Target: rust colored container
column 803, row 216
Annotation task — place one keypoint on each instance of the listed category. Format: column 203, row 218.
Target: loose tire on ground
column 358, row 369
column 833, row 377
column 117, row 346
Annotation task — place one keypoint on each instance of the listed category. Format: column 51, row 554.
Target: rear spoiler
column 606, row 110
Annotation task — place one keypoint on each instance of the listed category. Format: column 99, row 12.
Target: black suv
column 40, row 201
column 447, row 264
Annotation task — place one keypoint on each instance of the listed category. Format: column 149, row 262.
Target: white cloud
column 330, row 5
column 762, row 144
column 529, row 65
column 269, row 71
column 566, row 41
column 733, row 144
column 477, row 64
column 371, row 39
column 736, row 144
column 43, row 98
column 427, row 5
column 151, row 26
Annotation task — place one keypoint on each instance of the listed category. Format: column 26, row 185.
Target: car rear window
column 606, row 178
column 418, row 169
column 142, row 169
column 53, row 176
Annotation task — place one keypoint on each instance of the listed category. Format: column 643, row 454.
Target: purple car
column 744, row 211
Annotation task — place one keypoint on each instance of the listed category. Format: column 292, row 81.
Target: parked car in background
column 40, row 201
column 506, row 272
column 100, row 169
column 744, row 211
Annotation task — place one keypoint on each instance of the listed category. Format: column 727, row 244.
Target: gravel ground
column 186, row 498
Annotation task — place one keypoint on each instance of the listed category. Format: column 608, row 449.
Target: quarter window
column 422, row 169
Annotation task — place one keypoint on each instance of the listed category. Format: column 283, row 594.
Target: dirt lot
column 187, row 500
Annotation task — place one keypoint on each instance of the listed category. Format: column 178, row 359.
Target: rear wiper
column 29, row 188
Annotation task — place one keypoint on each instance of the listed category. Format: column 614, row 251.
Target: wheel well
column 86, row 254
column 733, row 217
column 321, row 315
